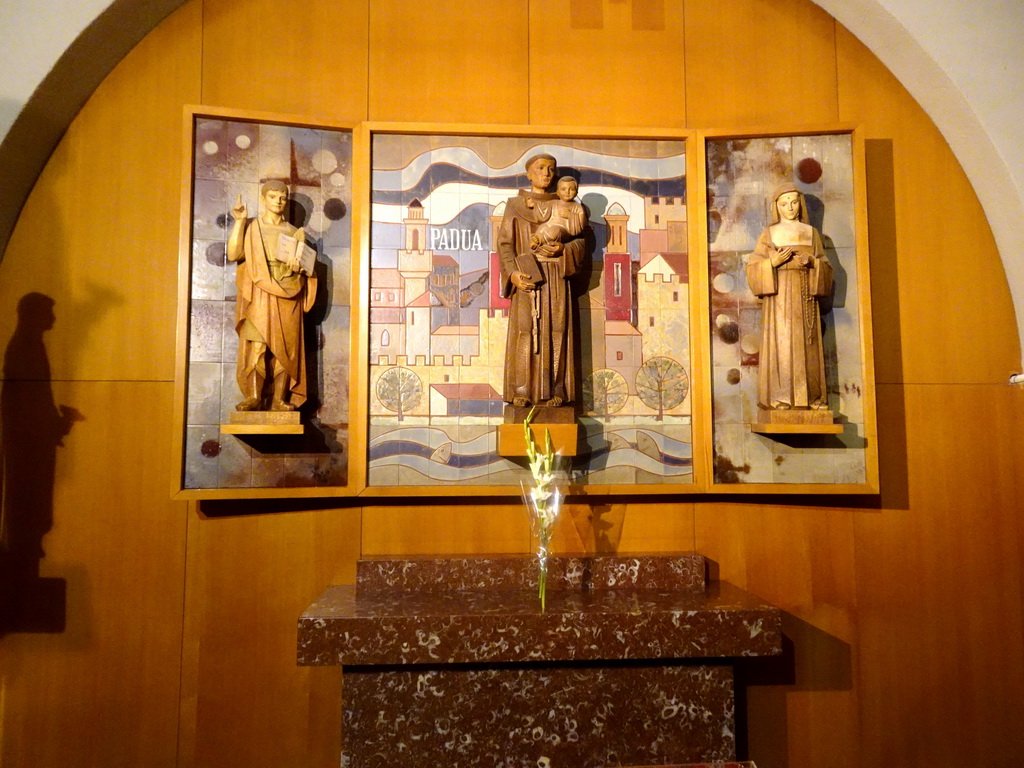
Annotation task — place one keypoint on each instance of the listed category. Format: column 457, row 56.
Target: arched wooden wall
column 905, row 616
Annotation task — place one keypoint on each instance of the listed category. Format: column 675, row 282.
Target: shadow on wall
column 33, row 427
column 811, row 660
column 885, row 311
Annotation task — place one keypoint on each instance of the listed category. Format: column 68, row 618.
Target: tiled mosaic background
column 741, row 176
column 438, row 325
column 233, row 158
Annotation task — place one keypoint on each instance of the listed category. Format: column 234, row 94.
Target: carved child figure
column 567, row 216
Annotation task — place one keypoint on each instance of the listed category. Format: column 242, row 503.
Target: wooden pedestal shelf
column 796, row 421
column 449, row 661
column 797, row 429
column 512, row 438
column 557, row 420
column 263, row 423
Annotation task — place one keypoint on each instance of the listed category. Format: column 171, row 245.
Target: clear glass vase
column 544, row 504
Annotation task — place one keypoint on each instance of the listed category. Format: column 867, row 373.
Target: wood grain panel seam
column 369, row 58
column 184, row 673
column 835, row 65
column 686, row 90
column 529, row 62
column 202, row 47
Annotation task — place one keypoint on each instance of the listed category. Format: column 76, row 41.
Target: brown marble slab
column 431, row 574
column 579, row 715
column 527, row 717
column 507, row 626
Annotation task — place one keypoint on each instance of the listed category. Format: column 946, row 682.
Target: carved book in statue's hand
column 525, row 262
column 289, row 247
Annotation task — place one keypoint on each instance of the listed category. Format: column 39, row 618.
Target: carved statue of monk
column 790, row 272
column 273, row 296
column 535, row 272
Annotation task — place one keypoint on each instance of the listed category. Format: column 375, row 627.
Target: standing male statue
column 275, row 290
column 535, row 272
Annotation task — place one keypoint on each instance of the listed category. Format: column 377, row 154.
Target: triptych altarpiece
column 404, row 336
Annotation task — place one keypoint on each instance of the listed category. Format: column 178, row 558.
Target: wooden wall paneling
column 358, row 386
column 98, row 232
column 757, row 62
column 495, row 528
column 250, row 577
column 615, row 527
column 607, row 63
column 298, row 58
column 802, row 707
column 483, row 527
column 865, row 306
column 700, row 311
column 880, row 184
column 100, row 687
column 939, row 585
column 463, row 61
column 577, row 531
column 97, row 237
column 184, row 295
column 956, row 322
column 662, row 526
column 33, row 245
column 191, row 646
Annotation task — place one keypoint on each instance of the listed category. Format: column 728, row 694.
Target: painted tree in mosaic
column 436, row 308
column 741, row 175
column 399, row 390
column 605, row 392
column 662, row 384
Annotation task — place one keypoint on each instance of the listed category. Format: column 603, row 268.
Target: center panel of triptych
column 439, row 312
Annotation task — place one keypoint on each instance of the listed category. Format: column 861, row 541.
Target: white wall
column 33, row 35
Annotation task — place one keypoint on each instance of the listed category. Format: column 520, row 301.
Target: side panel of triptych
column 439, row 314
column 792, row 395
column 233, row 159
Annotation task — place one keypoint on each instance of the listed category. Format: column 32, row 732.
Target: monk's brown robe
column 538, row 366
column 791, row 368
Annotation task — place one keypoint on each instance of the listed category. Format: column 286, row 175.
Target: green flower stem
column 542, row 576
column 544, row 498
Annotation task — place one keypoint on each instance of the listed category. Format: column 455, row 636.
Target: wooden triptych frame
column 667, row 328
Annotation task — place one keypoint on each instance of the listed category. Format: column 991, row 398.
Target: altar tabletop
column 408, row 620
